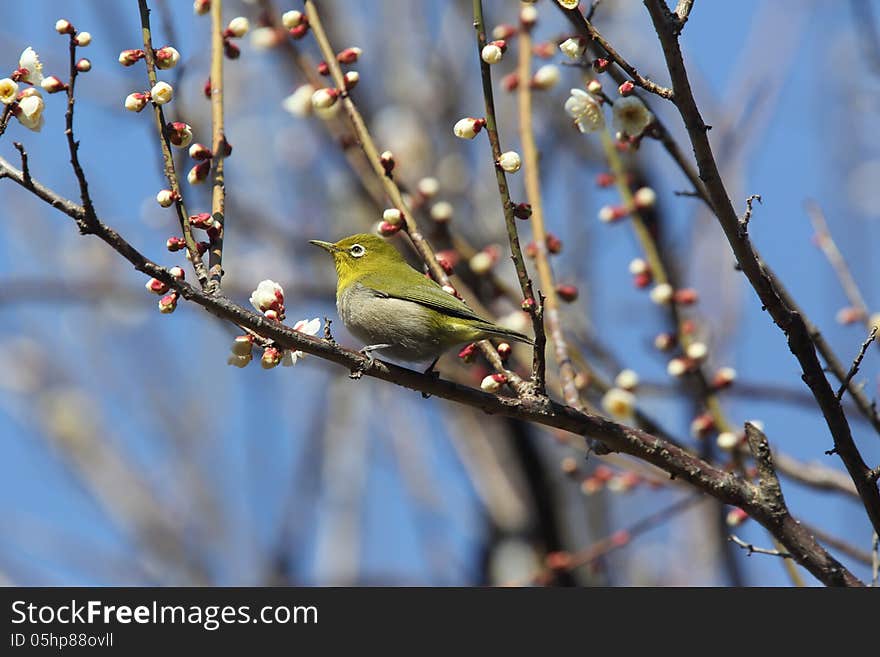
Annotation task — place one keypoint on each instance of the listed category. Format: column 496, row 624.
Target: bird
column 396, row 310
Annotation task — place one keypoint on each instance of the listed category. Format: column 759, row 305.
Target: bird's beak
column 327, row 246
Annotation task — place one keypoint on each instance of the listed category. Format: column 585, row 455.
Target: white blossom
column 631, row 116
column 619, row 404
column 31, row 111
column 30, row 62
column 585, row 110
column 8, row 89
column 309, row 327
column 161, row 93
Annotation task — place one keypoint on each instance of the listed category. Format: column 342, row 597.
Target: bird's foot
column 368, row 352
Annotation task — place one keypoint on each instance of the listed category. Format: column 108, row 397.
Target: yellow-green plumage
column 382, row 300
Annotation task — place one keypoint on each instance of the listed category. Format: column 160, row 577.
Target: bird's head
column 360, row 254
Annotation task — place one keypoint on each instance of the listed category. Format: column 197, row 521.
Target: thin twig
column 72, row 144
column 525, row 283
column 752, row 549
column 836, row 259
column 875, row 560
column 167, row 158
column 747, row 217
column 531, row 172
column 25, row 169
column 5, row 117
column 683, row 11
column 592, row 10
column 218, row 147
column 856, row 363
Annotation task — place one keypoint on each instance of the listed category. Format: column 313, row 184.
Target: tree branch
column 219, row 147
column 762, row 279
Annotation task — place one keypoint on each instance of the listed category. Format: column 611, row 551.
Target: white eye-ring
column 357, row 251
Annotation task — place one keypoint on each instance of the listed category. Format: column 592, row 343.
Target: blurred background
column 132, row 454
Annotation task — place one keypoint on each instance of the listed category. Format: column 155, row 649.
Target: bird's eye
column 357, row 251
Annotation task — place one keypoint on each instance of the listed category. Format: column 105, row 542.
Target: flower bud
column 493, row 382
column 202, row 220
column 510, row 82
column 849, row 315
column 600, row 64
column 573, row 48
column 166, row 198
column 387, row 230
column 447, row 260
column 52, row 85
column 243, row 345
column 238, row 27
column 168, row 303
column 626, row 88
column 677, row 367
column 441, row 212
column 504, row 350
column 271, row 358
column 468, row 128
column 528, row 15
column 723, row 377
column 200, row 152
column 609, row 214
column 83, row 39
column 664, row 342
column 491, row 53
column 627, row 380
column 63, row 26
column 349, row 55
column 545, row 77
column 300, row 30
column 231, row 50
column 324, row 98
column 554, row 244
column 510, row 161
column 428, row 187
column 199, row 173
column 130, row 57
column 567, row 293
column 351, row 79
column 481, row 263
column 662, row 294
column 156, row 286
column 392, row 216
column 467, row 352
column 531, row 250
column 528, row 305
column 161, row 93
column 84, row 65
column 167, row 57
column 179, row 134
column 645, row 198
column 290, row 19
column 522, row 211
column 201, row 7
column 174, row 244
column 638, row 266
column 727, row 440
column 619, row 404
column 736, row 517
column 594, row 87
column 697, row 351
column 702, row 425
column 135, row 102
column 686, row 296
column 503, row 32
column 605, row 180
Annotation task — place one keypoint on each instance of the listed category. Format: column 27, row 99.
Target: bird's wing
column 416, row 288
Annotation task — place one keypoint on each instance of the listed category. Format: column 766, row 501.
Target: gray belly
column 408, row 327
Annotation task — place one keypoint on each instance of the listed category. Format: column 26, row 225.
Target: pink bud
column 554, row 244
column 63, row 26
column 567, row 293
column 600, row 65
column 467, row 353
column 156, row 286
column 605, row 180
column 300, row 30
column 271, row 357
column 386, row 159
column 203, row 220
column 199, row 173
column 130, row 57
column 323, row 69
column 231, row 50
column 522, row 211
column 349, row 55
column 387, row 229
column 686, row 296
column 528, row 305
column 736, row 517
column 447, row 260
column 503, row 31
column 201, row 7
column 177, row 272
column 83, row 65
column 351, row 79
column 702, row 425
column 643, row 280
column 544, row 50
column 52, row 85
column 504, row 350
column 179, row 134
column 510, row 82
column 168, row 303
column 200, row 152
column 175, row 244
column 626, row 88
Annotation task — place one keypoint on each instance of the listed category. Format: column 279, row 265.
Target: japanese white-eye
column 395, row 309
